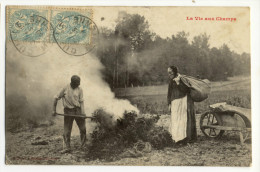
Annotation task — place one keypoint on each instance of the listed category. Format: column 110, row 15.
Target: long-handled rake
column 81, row 116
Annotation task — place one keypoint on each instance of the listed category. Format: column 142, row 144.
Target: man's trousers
column 68, row 122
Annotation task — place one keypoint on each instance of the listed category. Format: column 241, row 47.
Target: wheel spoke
column 208, row 119
column 215, row 134
column 213, row 117
column 210, row 131
column 207, row 131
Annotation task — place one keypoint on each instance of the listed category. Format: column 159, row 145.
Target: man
column 72, row 97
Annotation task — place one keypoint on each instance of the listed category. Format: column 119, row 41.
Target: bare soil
column 43, row 145
column 226, row 151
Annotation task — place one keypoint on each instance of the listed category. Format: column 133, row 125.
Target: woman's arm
column 169, row 92
column 183, row 88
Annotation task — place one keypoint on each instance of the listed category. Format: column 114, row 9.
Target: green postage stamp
column 32, row 30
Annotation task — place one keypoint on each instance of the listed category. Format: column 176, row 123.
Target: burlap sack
column 199, row 89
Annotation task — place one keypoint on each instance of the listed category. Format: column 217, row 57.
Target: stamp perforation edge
column 49, row 12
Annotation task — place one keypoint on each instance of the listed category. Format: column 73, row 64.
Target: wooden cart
column 222, row 117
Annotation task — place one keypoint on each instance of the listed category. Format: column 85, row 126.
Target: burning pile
column 111, row 138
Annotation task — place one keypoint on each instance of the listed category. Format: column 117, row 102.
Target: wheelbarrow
column 222, row 117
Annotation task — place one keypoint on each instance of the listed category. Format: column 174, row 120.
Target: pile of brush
column 112, row 137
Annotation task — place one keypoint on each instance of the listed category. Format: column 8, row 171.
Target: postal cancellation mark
column 33, row 30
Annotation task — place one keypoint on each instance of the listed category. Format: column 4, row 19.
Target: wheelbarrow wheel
column 208, row 119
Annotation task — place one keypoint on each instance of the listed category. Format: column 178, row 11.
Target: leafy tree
column 134, row 56
column 134, row 30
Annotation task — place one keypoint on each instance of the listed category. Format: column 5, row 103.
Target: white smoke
column 44, row 76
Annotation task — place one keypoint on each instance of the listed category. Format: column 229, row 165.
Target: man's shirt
column 71, row 97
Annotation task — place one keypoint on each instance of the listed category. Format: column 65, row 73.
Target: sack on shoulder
column 199, row 89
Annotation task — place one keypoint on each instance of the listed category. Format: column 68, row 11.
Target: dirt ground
column 226, row 151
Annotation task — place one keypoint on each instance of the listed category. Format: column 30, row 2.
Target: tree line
column 135, row 56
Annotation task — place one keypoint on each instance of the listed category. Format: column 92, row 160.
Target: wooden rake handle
column 81, row 116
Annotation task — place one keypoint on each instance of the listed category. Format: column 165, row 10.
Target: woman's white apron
column 178, row 119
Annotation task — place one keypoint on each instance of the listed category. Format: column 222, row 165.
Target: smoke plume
column 37, row 80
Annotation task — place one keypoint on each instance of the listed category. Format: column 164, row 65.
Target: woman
column 183, row 124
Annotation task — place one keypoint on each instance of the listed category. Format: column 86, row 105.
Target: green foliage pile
column 110, row 138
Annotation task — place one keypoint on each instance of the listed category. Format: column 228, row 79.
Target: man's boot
column 66, row 145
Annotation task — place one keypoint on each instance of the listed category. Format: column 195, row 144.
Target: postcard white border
column 255, row 75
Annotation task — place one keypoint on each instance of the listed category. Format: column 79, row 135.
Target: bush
column 108, row 141
column 240, row 101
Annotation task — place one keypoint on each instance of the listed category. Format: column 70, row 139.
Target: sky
column 166, row 21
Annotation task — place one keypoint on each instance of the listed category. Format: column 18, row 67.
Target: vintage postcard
column 132, row 86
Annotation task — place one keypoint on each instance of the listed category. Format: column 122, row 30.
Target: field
column 42, row 145
column 152, row 100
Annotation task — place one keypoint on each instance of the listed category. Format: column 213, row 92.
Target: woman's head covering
column 174, row 69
